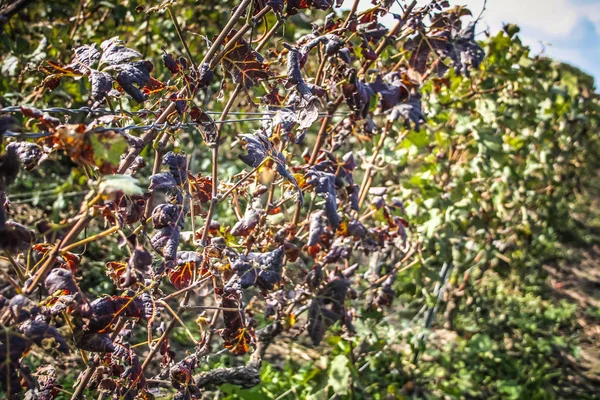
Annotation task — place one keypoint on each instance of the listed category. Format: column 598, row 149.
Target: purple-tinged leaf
column 101, row 85
column 114, row 52
column 162, row 181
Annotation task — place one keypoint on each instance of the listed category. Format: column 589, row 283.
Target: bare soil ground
column 578, row 281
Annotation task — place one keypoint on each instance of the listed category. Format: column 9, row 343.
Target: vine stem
column 215, row 165
column 180, row 34
column 230, row 24
column 45, row 268
column 212, row 308
column 387, row 37
column 176, row 317
column 269, row 34
column 231, row 42
column 368, row 178
column 16, row 267
column 224, row 113
column 187, row 289
column 67, row 318
column 192, row 213
column 107, row 232
column 12, row 282
column 149, row 136
column 351, row 13
column 244, row 178
column 323, row 130
column 320, row 71
column 154, row 349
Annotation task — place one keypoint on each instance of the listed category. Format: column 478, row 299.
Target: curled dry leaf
column 411, row 112
column 166, row 241
column 30, row 154
column 133, row 77
column 60, row 279
column 259, row 147
column 162, row 181
column 206, row 125
column 38, row 331
column 177, row 166
column 324, row 183
column 261, row 269
column 114, row 52
column 186, row 266
column 245, row 226
column 102, row 84
column 237, row 335
column 357, row 95
column 15, row 237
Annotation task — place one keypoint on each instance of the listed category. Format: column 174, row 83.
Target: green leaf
column 115, row 183
column 419, row 139
column 108, row 149
column 481, row 343
column 339, row 375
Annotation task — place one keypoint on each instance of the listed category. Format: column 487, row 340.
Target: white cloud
column 554, row 18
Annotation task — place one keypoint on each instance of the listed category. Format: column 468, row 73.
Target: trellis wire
column 142, row 112
column 103, row 111
column 37, row 135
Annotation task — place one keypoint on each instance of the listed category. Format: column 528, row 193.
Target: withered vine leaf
column 177, row 166
column 30, row 154
column 206, row 125
column 238, row 336
column 85, row 57
column 132, row 74
column 259, row 147
column 244, row 64
column 97, row 65
column 114, row 52
column 187, row 263
column 327, row 308
column 294, row 5
column 446, row 40
column 60, row 279
column 107, row 310
column 391, row 90
column 464, row 51
column 260, row 269
column 411, row 111
column 357, row 95
column 166, row 241
column 244, row 226
column 324, row 183
column 102, row 83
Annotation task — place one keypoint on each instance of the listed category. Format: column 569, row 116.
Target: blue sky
column 567, row 30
